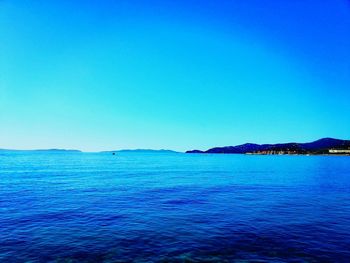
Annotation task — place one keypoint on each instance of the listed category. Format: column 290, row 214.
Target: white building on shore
column 339, row 151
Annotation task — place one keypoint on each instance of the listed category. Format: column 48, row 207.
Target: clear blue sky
column 98, row 75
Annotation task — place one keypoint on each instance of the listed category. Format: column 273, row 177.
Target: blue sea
column 173, row 207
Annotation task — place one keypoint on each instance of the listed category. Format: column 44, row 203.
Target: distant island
column 78, row 151
column 322, row 146
column 140, row 151
column 43, row 150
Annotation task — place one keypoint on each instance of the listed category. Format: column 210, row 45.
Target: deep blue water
column 89, row 207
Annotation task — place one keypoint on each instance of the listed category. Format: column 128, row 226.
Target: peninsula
column 322, row 146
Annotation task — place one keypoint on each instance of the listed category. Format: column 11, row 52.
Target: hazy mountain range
column 316, row 147
column 78, row 151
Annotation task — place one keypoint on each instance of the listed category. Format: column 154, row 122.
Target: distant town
column 295, row 152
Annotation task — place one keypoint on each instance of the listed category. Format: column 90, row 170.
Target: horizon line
column 150, row 149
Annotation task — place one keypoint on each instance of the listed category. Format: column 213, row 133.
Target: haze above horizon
column 102, row 75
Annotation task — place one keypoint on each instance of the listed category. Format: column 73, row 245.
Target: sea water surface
column 173, row 207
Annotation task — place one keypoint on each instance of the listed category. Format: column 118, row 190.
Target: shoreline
column 300, row 154
column 296, row 154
